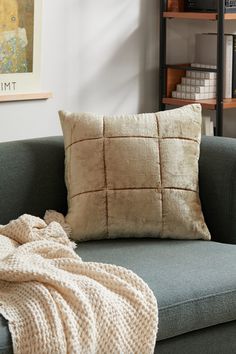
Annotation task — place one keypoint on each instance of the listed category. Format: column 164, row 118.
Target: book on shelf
column 175, row 5
column 196, row 88
column 206, row 53
column 207, row 126
column 192, row 96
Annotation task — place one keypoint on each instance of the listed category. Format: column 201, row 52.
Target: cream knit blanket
column 57, row 304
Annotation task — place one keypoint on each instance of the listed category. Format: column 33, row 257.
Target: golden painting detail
column 16, row 36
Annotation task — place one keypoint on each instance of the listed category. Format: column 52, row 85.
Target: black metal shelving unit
column 220, row 68
column 219, row 104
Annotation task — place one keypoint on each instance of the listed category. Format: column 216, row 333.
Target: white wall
column 114, row 55
column 99, row 56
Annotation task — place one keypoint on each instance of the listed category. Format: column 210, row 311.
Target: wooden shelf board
column 207, row 104
column 25, row 96
column 191, row 15
column 189, row 67
column 198, row 15
column 230, row 16
column 229, row 103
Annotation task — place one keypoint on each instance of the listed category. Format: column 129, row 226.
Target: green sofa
column 194, row 281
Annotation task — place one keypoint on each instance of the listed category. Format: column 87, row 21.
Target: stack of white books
column 197, row 85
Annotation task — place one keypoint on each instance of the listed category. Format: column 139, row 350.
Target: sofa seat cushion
column 194, row 281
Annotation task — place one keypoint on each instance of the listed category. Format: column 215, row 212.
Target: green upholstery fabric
column 218, row 187
column 194, row 281
column 218, row 339
column 31, row 177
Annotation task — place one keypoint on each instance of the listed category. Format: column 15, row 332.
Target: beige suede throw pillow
column 134, row 175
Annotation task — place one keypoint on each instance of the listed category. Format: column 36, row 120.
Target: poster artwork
column 16, row 36
column 19, row 45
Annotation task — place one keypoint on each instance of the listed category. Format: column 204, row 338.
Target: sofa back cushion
column 31, row 177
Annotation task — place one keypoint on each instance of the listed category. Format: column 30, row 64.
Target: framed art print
column 20, row 42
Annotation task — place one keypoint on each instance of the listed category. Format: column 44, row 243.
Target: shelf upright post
column 220, row 68
column 162, row 55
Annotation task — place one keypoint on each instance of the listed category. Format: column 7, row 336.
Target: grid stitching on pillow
column 107, row 187
column 158, row 138
column 129, row 136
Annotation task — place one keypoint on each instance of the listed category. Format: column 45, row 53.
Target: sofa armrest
column 217, row 182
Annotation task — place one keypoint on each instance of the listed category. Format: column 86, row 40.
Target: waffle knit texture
column 56, row 303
